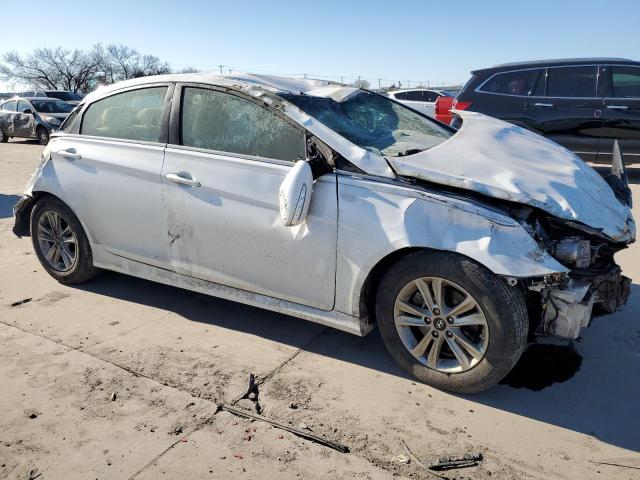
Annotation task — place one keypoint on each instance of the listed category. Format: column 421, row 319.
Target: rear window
column 625, row 82
column 132, row 115
column 10, row 106
column 511, row 83
column 571, row 82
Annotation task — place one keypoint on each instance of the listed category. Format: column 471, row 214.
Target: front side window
column 227, row 123
column 65, row 96
column 22, row 106
column 625, row 82
column 373, row 122
column 132, row 115
column 11, row 106
column 511, row 83
column 400, row 96
column 571, row 82
column 430, row 96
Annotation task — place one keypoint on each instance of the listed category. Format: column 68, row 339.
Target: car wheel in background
column 60, row 242
column 43, row 136
column 4, row 138
column 450, row 322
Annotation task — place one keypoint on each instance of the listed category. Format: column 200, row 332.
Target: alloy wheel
column 43, row 137
column 57, row 241
column 441, row 324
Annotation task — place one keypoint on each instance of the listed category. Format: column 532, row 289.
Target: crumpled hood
column 505, row 161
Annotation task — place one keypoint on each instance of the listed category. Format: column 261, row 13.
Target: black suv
column 583, row 104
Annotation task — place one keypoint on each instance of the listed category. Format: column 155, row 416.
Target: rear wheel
column 450, row 322
column 60, row 242
column 43, row 136
column 4, row 138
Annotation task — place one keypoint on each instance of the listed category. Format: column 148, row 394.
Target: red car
column 443, row 109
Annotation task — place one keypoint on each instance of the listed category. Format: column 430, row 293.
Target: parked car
column 583, row 104
column 34, row 117
column 233, row 186
column 420, row 99
column 73, row 98
column 442, row 109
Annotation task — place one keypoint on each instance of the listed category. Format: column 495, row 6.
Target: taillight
column 437, row 106
column 458, row 105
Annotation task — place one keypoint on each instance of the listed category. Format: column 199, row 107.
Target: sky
column 416, row 41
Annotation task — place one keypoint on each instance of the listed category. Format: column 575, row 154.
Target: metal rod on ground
column 418, row 462
column 296, row 431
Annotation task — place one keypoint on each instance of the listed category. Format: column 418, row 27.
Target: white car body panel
column 502, row 160
column 229, row 229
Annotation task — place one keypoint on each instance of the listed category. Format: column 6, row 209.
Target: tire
column 43, row 135
column 46, row 213
column 492, row 342
column 4, row 138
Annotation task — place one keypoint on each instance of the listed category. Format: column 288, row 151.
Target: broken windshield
column 373, row 122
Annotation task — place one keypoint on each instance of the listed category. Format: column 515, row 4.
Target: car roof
column 557, row 62
column 242, row 81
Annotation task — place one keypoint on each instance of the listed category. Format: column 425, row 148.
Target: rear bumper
column 571, row 307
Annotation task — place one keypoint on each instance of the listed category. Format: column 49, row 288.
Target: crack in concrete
column 199, row 425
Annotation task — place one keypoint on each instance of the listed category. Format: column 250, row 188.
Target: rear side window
column 400, row 96
column 227, row 123
column 571, row 82
column 132, row 115
column 10, row 106
column 430, row 96
column 414, row 95
column 625, row 82
column 511, row 83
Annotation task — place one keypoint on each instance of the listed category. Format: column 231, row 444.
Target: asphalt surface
column 121, row 378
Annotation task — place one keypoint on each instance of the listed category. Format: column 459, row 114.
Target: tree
column 77, row 70
column 119, row 62
column 361, row 83
column 49, row 68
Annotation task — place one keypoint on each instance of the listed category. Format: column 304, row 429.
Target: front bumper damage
column 570, row 305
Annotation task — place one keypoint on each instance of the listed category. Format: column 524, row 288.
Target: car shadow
column 6, row 205
column 589, row 387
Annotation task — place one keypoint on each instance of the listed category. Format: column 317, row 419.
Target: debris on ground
column 113, row 396
column 301, row 433
column 401, row 459
column 21, row 302
column 252, row 393
column 293, row 405
column 33, row 474
column 469, row 459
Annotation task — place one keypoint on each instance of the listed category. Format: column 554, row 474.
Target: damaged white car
column 339, row 206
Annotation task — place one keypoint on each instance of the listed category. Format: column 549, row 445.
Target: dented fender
column 377, row 219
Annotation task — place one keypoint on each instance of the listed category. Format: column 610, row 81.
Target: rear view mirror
column 295, row 194
column 27, row 111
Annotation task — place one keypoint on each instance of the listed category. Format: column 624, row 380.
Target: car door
column 109, row 172
column 24, row 124
column 503, row 95
column 227, row 157
column 6, row 117
column 621, row 113
column 416, row 100
column 566, row 108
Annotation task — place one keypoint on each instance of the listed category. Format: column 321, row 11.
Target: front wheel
column 450, row 322
column 60, row 242
column 43, row 136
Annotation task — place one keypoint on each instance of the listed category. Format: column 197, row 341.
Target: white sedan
column 335, row 205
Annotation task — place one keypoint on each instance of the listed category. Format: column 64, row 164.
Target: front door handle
column 70, row 154
column 546, row 105
column 180, row 178
column 617, row 107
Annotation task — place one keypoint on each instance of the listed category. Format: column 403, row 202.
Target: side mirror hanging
column 295, row 194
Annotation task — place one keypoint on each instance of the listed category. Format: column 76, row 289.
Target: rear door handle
column 547, row 105
column 180, row 178
column 617, row 107
column 70, row 154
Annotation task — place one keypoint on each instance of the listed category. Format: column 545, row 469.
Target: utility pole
column 305, row 75
column 342, row 80
column 220, row 68
column 408, row 83
column 379, row 84
column 229, row 71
